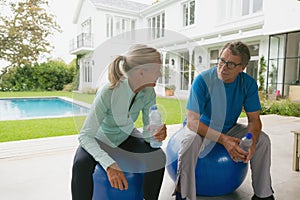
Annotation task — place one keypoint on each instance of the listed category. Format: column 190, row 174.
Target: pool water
column 29, row 108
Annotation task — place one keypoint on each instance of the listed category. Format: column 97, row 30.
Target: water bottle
column 155, row 123
column 246, row 142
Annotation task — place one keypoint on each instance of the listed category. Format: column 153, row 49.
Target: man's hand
column 231, row 144
column 116, row 177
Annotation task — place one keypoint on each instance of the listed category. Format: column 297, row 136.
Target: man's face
column 229, row 66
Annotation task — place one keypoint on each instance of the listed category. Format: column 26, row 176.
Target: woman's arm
column 89, row 130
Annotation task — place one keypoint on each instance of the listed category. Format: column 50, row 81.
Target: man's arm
column 254, row 127
column 230, row 143
column 254, row 124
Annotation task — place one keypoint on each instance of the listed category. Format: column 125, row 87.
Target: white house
column 190, row 34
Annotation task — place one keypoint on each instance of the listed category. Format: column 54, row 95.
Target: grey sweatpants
column 191, row 145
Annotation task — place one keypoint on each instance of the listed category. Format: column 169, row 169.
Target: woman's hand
column 116, row 177
column 161, row 133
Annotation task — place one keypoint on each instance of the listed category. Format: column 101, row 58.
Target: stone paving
column 40, row 169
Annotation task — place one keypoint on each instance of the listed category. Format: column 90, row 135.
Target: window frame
column 188, row 16
column 109, row 26
column 88, row 71
column 214, row 61
column 157, row 29
column 125, row 24
column 249, row 9
column 86, row 26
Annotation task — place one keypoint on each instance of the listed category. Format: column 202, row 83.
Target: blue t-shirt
column 220, row 104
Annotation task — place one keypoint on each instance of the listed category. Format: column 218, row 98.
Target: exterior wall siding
column 216, row 23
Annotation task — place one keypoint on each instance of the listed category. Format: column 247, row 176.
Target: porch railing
column 83, row 40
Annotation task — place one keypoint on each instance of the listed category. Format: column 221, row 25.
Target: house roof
column 121, row 4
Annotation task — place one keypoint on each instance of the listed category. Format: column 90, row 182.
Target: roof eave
column 114, row 9
column 156, row 6
column 77, row 11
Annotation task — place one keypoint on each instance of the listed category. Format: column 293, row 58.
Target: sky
column 64, row 11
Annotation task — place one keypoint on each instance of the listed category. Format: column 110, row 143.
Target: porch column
column 81, row 73
column 163, row 80
column 191, row 51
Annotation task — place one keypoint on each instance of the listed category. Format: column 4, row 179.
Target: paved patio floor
column 40, row 169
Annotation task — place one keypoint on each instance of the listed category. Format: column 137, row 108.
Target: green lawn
column 38, row 128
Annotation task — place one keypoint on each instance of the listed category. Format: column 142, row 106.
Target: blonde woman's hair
column 138, row 55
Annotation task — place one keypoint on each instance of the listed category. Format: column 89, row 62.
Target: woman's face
column 151, row 73
column 144, row 76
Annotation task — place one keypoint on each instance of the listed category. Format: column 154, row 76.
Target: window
column 184, row 70
column 214, row 54
column 257, row 5
column 252, row 68
column 157, row 26
column 167, row 71
column 86, row 26
column 246, row 7
column 109, row 26
column 87, row 65
column 254, row 49
column 188, row 13
column 284, row 62
column 117, row 25
column 122, row 25
column 251, row 6
column 234, row 9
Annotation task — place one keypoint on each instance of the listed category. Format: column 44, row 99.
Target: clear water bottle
column 155, row 123
column 246, row 142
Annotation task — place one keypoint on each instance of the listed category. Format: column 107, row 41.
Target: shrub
column 89, row 90
column 68, row 87
column 52, row 75
column 170, row 87
column 282, row 107
column 261, row 72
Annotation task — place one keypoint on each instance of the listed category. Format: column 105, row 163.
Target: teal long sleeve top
column 111, row 121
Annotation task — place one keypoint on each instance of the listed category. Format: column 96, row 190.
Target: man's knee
column 264, row 139
column 190, row 143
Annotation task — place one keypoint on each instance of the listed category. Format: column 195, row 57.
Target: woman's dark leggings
column 153, row 159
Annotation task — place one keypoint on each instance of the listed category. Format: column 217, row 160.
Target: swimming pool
column 31, row 108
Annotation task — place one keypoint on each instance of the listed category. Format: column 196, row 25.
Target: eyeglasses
column 229, row 65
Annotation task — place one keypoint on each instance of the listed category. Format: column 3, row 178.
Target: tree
column 25, row 27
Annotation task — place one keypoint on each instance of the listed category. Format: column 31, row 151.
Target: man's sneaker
column 265, row 198
column 178, row 196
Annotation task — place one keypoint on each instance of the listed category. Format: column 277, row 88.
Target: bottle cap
column 249, row 135
column 154, row 107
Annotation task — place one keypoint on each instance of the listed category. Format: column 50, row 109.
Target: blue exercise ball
column 103, row 189
column 215, row 174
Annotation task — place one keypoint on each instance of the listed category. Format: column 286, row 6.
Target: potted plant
column 169, row 90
